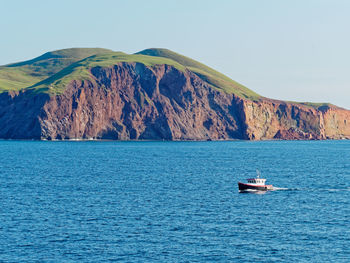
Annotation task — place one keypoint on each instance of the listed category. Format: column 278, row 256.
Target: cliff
column 133, row 100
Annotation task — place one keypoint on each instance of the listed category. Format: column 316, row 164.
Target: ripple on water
column 173, row 202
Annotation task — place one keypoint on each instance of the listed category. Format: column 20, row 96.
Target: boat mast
column 257, row 173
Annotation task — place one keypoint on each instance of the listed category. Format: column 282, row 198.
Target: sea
column 107, row 201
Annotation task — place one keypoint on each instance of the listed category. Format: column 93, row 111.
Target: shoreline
column 150, row 140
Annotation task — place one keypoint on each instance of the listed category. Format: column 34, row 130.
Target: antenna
column 257, row 173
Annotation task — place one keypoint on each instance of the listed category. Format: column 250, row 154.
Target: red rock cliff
column 133, row 101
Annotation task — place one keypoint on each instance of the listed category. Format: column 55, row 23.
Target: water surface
column 173, row 202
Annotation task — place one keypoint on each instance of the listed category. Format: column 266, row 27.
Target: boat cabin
column 257, row 181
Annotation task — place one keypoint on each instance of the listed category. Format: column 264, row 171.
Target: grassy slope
column 81, row 69
column 52, row 71
column 23, row 74
column 315, row 105
column 15, row 79
column 213, row 77
column 149, row 57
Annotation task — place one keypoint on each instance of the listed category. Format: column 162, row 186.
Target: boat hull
column 245, row 187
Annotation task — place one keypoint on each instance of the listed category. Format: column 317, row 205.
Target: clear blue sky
column 291, row 50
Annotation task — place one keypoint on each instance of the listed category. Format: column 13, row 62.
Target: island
column 155, row 94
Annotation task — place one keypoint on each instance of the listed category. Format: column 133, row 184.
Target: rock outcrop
column 134, row 101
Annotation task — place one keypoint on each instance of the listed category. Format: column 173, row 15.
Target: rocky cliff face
column 269, row 119
column 133, row 101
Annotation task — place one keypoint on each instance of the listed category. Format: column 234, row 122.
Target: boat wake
column 253, row 191
column 311, row 189
column 281, row 189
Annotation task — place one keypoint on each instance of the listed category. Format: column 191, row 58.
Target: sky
column 290, row 50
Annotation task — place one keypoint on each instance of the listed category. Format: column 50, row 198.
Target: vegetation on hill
column 213, row 77
column 150, row 57
column 81, row 69
column 53, row 71
column 315, row 105
column 21, row 75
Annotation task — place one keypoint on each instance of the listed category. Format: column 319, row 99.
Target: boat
column 257, row 184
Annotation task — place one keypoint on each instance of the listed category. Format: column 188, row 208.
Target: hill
column 21, row 75
column 213, row 77
column 154, row 94
column 52, row 71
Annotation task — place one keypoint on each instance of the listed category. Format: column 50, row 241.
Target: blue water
column 173, row 202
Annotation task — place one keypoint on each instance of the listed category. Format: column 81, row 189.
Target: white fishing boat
column 257, row 184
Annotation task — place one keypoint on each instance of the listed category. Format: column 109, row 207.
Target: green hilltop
column 211, row 76
column 81, row 70
column 21, row 75
column 53, row 71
